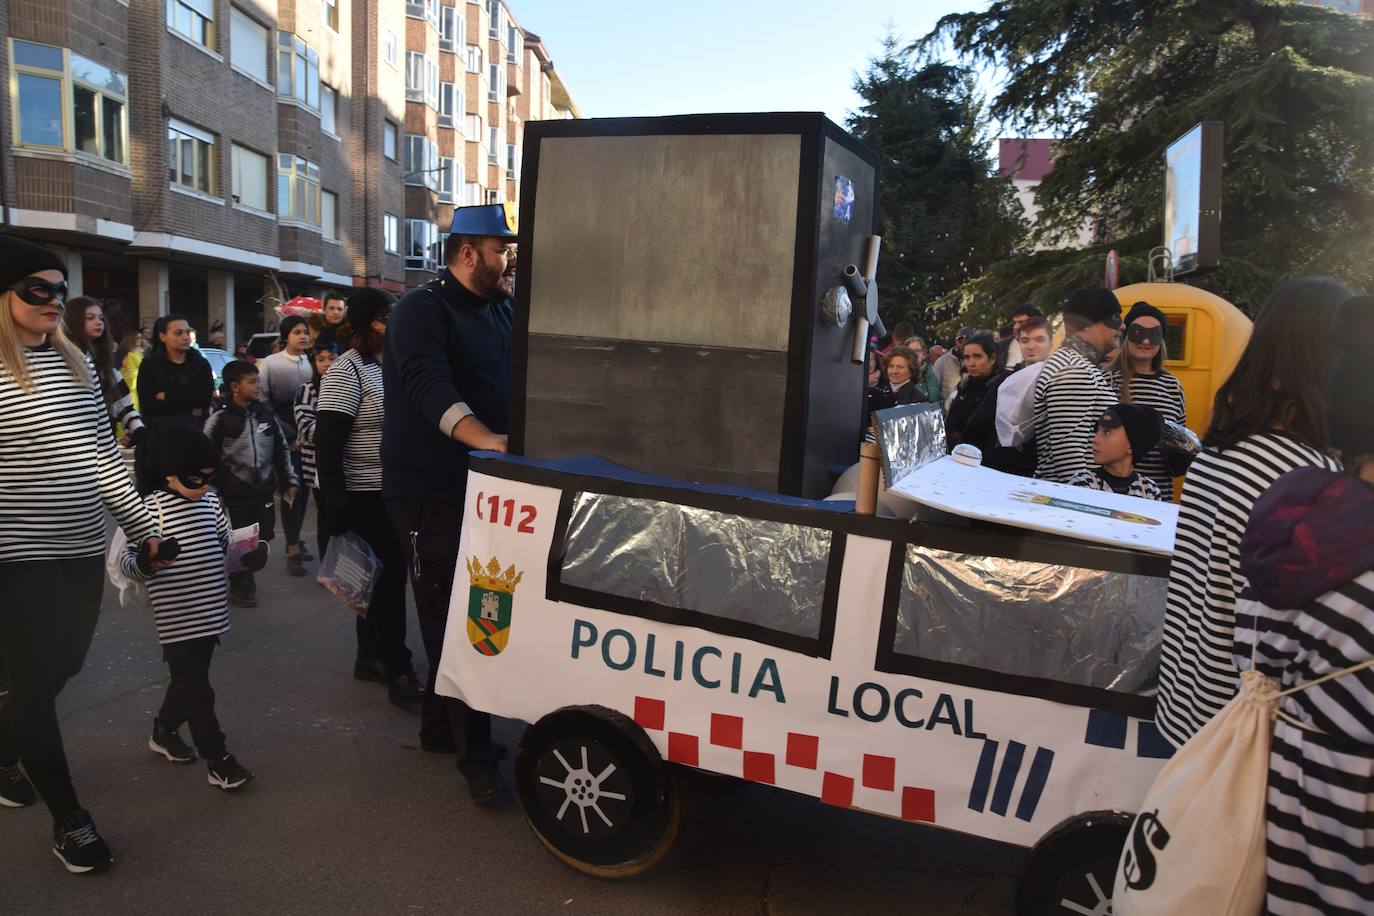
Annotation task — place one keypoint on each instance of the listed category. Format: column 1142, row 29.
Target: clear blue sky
column 657, row 57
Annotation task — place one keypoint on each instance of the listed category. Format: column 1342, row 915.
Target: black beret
column 20, row 258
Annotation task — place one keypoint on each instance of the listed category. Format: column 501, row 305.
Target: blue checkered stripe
column 1013, row 759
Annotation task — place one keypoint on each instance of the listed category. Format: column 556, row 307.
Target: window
column 446, row 179
column 446, row 92
column 330, row 10
column 494, row 145
column 422, row 161
column 391, row 49
column 512, row 160
column 453, row 29
column 422, row 79
column 474, row 59
column 298, row 189
column 472, row 194
column 249, row 179
column 474, row 128
column 329, row 110
column 190, row 157
column 298, row 70
column 514, row 44
column 427, row 10
column 391, row 232
column 493, row 196
column 422, row 243
column 329, row 215
column 193, row 18
column 495, row 12
column 496, row 91
column 96, row 123
column 389, row 140
column 247, row 45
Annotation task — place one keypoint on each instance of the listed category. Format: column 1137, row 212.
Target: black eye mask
column 1145, row 335
column 35, row 291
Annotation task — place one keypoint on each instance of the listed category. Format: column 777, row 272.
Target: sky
column 659, row 57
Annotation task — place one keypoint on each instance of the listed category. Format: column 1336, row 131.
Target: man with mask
column 446, row 370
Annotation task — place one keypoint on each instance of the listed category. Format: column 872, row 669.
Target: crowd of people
column 375, row 407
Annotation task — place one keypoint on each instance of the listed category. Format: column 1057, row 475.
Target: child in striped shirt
column 191, row 602
column 1123, row 432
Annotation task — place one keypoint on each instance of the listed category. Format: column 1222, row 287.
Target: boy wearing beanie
column 190, row 602
column 1123, row 432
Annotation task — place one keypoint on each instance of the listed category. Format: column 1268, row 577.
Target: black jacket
column 252, row 451
column 968, row 397
column 981, row 430
column 187, row 387
column 883, row 396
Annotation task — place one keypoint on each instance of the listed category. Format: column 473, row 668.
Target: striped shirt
column 59, row 466
column 1137, row 485
column 353, row 386
column 1164, row 393
column 304, row 410
column 122, row 410
column 190, row 598
column 1070, row 394
column 1320, row 835
column 1197, row 676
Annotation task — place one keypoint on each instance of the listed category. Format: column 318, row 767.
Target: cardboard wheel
column 596, row 792
column 1073, row 867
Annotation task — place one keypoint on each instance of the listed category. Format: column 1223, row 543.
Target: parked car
column 217, row 359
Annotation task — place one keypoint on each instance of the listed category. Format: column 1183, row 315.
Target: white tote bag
column 1016, row 406
column 131, row 591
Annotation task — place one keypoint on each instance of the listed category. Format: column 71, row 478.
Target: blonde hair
column 14, row 361
column 1121, row 364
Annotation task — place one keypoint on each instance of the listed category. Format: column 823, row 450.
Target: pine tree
column 1119, row 80
column 943, row 214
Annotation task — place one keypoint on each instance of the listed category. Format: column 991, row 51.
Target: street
column 348, row 815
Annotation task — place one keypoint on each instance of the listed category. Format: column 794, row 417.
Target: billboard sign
column 1192, row 198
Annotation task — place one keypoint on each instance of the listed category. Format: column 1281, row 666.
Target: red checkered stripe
column 802, row 751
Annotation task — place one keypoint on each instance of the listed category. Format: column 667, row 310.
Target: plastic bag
column 132, row 592
column 350, row 571
column 1016, row 406
column 241, row 541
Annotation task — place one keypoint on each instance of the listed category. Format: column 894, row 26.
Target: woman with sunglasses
column 84, row 323
column 175, row 384
column 1138, row 375
column 1268, row 418
column 59, row 469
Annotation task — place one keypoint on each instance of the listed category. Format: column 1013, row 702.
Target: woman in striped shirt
column 58, row 468
column 1269, row 418
column 348, row 455
column 321, row 358
column 84, row 324
column 1139, row 377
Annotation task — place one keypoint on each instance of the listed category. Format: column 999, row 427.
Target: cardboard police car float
column 961, row 671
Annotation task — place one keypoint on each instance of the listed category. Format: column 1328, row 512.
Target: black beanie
column 1144, row 427
column 1092, row 303
column 20, row 258
column 366, row 304
column 185, row 450
column 1146, row 310
column 1350, row 403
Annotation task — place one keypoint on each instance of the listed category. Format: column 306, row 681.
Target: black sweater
column 187, row 387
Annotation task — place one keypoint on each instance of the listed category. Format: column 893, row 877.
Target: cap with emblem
column 488, row 219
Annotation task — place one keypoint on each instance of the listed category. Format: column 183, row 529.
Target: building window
column 422, row 161
column 422, row 79
column 193, row 18
column 422, row 244
column 446, row 179
column 330, row 10
column 496, row 90
column 514, row 44
column 190, row 157
column 446, row 92
column 298, row 70
column 493, row 196
column 329, row 110
column 298, row 189
column 247, row 45
column 472, row 194
column 427, row 10
column 512, row 160
column 495, row 13
column 474, row 128
column 96, row 127
column 494, row 145
column 391, row 232
column 389, row 140
column 249, row 179
column 453, row 29
column 329, row 215
column 391, row 49
column 474, row 59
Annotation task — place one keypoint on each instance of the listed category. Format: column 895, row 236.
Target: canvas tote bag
column 1197, row 845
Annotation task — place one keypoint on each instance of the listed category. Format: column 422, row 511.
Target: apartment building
column 210, row 157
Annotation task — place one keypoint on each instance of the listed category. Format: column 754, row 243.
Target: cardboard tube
column 866, row 500
column 858, row 289
column 871, row 262
column 860, row 337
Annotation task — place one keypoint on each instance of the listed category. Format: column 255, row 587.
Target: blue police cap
column 488, row 219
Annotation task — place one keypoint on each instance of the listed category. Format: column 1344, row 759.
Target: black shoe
column 168, row 743
column 404, row 691
column 294, row 566
column 369, row 670
column 15, row 789
column 227, row 773
column 305, row 555
column 78, row 845
column 243, row 594
column 486, row 788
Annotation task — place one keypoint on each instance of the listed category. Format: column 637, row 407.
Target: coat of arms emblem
column 489, row 604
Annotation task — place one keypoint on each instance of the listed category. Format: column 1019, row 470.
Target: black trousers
column 321, row 524
column 243, row 513
column 190, row 699
column 429, row 531
column 48, row 612
column 293, row 516
column 382, row 633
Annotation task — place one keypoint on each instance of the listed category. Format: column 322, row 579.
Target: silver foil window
column 765, row 573
column 910, row 436
column 1065, row 623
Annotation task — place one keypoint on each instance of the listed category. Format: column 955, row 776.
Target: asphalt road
column 347, row 815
